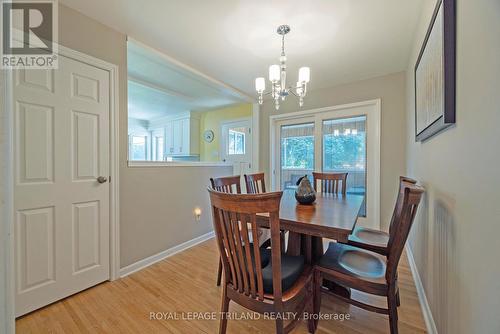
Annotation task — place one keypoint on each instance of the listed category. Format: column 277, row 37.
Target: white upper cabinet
column 178, row 138
column 182, row 135
column 169, row 138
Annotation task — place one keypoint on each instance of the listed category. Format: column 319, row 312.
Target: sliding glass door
column 296, row 153
column 344, row 151
column 338, row 140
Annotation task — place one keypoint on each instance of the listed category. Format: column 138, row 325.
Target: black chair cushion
column 291, row 269
column 265, row 256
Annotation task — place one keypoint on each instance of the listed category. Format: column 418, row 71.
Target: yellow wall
column 211, row 120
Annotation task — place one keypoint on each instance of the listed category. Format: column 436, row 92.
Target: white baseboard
column 424, row 304
column 132, row 268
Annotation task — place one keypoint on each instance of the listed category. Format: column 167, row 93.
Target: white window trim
column 317, row 116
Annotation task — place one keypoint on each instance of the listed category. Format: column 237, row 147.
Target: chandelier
column 277, row 76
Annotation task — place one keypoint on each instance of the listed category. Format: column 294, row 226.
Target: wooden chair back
column 403, row 181
column 255, row 183
column 330, row 182
column 234, row 218
column 402, row 223
column 227, row 184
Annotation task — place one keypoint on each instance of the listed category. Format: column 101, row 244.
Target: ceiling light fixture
column 277, row 76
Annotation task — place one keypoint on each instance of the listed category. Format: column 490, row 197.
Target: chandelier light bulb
column 274, row 73
column 304, row 74
column 260, row 85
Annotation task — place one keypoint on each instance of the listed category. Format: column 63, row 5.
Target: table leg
column 294, row 244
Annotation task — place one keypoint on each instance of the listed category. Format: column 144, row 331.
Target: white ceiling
column 157, row 86
column 235, row 41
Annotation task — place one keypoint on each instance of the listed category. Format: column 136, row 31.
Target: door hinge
column 249, row 130
column 109, row 179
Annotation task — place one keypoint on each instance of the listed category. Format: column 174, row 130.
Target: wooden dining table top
column 331, row 216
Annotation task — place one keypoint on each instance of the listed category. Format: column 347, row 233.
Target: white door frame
column 312, row 115
column 114, row 224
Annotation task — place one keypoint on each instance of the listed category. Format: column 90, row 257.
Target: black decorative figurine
column 305, row 193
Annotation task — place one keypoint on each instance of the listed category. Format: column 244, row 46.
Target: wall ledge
column 177, row 164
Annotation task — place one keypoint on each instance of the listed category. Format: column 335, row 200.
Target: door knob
column 102, row 179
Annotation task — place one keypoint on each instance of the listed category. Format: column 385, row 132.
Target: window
column 344, row 150
column 297, row 153
column 236, row 141
column 138, row 147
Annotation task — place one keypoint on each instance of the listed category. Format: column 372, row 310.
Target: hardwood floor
column 125, row 305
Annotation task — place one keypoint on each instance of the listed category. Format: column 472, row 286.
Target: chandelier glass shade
column 277, row 77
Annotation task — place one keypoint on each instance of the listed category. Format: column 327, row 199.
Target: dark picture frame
column 434, row 76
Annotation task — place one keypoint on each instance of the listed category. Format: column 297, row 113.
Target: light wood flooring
column 185, row 284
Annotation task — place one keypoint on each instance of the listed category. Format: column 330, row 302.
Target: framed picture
column 435, row 74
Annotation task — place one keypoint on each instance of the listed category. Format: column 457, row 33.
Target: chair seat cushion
column 366, row 238
column 265, row 256
column 291, row 269
column 353, row 261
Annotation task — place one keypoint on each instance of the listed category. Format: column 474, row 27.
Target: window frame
column 130, row 143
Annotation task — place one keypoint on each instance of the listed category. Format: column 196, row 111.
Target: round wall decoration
column 208, row 136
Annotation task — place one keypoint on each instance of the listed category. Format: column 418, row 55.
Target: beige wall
column 391, row 90
column 456, row 238
column 156, row 204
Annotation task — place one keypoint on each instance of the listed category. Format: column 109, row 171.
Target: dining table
column 330, row 216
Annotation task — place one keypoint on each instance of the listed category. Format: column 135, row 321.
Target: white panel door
column 62, row 211
column 236, row 147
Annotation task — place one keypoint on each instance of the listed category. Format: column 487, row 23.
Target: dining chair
column 368, row 271
column 262, row 280
column 226, row 184
column 255, row 183
column 376, row 240
column 330, row 182
column 230, row 184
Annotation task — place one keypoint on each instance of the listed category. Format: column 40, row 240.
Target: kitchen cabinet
column 182, row 136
